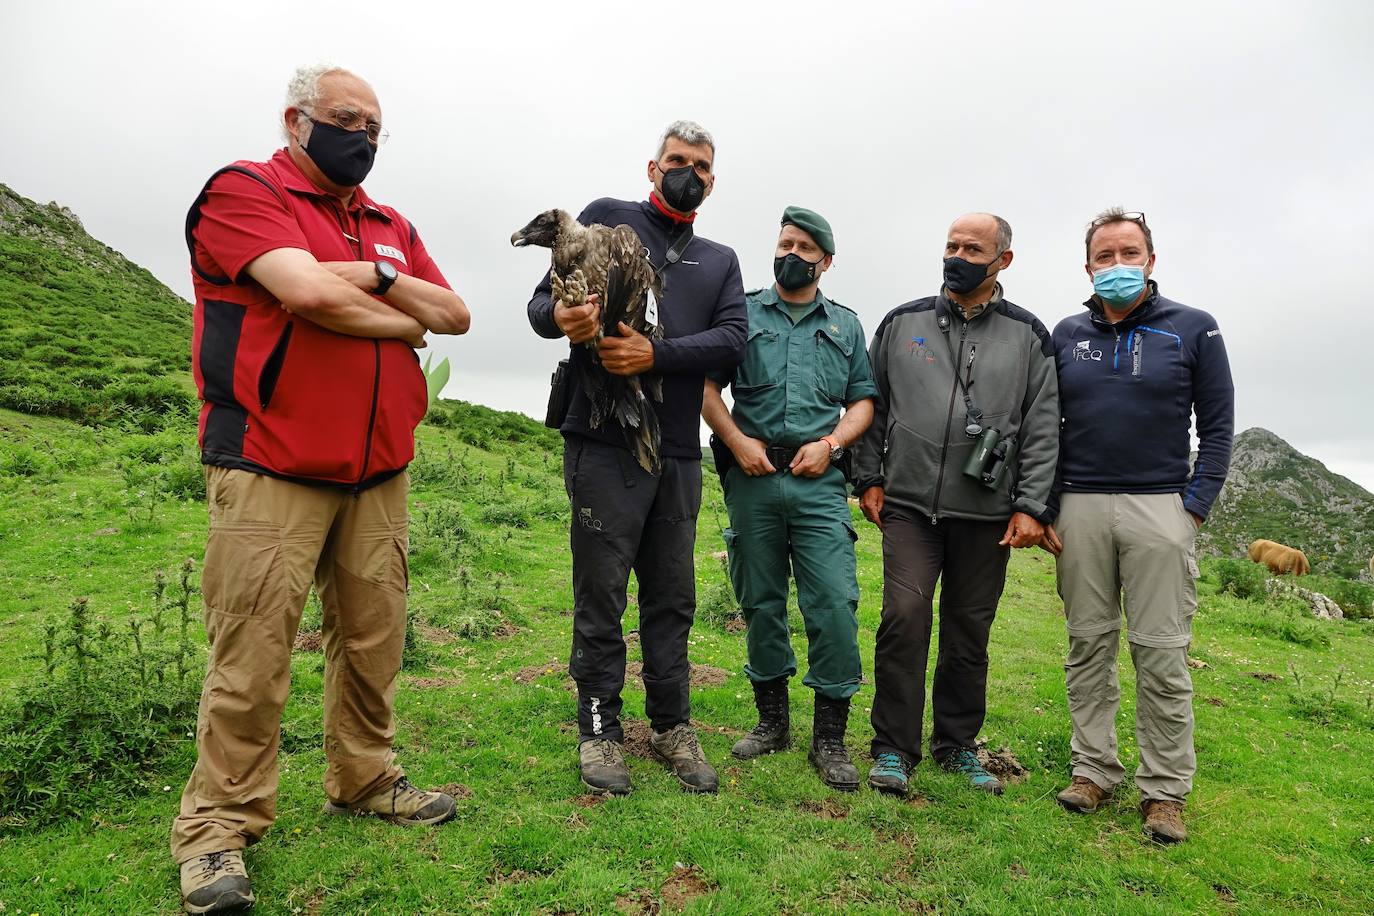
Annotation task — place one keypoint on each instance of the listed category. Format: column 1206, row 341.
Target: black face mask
column 345, row 156
column 794, row 272
column 683, row 189
column 963, row 277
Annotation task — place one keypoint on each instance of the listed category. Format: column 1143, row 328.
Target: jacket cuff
column 1197, row 507
column 1036, row 510
column 863, row 483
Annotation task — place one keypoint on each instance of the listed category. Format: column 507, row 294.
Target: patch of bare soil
column 433, row 683
column 637, row 734
column 827, row 810
column 736, row 625
column 1197, row 664
column 1264, row 676
column 702, row 675
column 437, row 635
column 505, row 630
column 684, row 885
column 1214, row 701
column 1224, row 893
column 917, row 800
column 1001, row 763
column 309, row 641
column 1017, row 870
column 588, row 800
column 456, row 789
column 637, row 903
column 531, row 673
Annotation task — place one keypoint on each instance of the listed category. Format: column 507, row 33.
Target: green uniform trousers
column 780, row 517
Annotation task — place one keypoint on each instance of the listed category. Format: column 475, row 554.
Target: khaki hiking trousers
column 269, row 540
column 1142, row 546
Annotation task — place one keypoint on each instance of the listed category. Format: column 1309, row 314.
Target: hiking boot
column 965, row 762
column 401, row 803
column 679, row 748
column 773, row 731
column 216, row 883
column 889, row 773
column 602, row 762
column 1083, row 796
column 828, row 754
column 1164, row 820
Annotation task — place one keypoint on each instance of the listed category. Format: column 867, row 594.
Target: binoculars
column 992, row 455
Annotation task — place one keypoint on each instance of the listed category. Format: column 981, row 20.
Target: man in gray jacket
column 956, row 468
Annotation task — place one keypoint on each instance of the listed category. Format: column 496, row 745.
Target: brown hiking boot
column 1083, row 795
column 216, row 882
column 1164, row 820
column 601, row 762
column 679, row 748
column 401, row 803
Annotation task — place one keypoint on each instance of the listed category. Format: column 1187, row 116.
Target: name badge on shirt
column 386, row 251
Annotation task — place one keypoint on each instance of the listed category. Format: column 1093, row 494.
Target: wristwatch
column 386, row 275
column 836, row 450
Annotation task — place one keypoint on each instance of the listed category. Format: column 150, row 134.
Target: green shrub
column 1288, row 619
column 111, row 701
column 23, row 460
column 1239, row 577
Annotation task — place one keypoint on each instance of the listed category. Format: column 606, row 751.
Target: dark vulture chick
column 613, row 264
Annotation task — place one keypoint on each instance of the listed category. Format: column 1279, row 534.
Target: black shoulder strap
column 678, row 245
column 193, row 218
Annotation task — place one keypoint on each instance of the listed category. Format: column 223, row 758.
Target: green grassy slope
column 84, row 332
column 1280, row 818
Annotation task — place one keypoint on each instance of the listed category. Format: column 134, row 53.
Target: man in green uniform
column 779, row 451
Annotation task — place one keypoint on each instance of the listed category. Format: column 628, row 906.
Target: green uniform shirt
column 796, row 377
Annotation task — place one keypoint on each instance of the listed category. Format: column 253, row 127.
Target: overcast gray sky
column 1245, row 131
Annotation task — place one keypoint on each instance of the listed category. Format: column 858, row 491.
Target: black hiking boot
column 773, row 732
column 828, row 754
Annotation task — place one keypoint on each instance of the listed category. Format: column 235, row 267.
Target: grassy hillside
column 85, row 333
column 1276, row 492
column 1280, row 818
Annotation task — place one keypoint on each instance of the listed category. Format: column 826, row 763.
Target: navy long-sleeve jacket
column 704, row 322
column 1127, row 395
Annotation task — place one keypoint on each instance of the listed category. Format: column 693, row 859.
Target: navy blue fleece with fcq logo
column 1127, row 395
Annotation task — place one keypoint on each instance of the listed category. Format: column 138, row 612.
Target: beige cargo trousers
column 269, row 540
column 1141, row 545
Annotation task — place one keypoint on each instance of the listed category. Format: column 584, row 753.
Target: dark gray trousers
column 623, row 519
column 972, row 570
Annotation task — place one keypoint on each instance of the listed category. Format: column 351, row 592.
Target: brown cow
column 1280, row 559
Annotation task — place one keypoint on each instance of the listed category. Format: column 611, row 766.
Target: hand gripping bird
column 614, row 265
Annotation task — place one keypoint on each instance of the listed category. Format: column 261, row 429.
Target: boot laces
column 215, row 862
column 683, row 738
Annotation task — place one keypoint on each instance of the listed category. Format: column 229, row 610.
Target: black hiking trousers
column 972, row 570
column 623, row 519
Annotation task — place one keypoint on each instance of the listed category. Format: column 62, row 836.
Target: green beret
column 813, row 224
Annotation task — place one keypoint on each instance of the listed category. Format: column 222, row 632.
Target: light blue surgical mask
column 1120, row 284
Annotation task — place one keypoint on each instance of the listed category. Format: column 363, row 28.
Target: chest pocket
column 832, row 364
column 765, row 359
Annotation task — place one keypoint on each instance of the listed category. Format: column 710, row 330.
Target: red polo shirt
column 282, row 395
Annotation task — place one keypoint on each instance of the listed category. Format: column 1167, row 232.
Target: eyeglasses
column 1134, row 216
column 348, row 119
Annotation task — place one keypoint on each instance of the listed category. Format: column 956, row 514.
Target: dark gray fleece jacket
column 916, row 447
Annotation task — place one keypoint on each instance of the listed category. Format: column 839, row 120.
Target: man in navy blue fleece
column 624, row 517
column 1133, row 371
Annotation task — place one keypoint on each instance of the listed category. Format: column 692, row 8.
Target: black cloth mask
column 345, row 156
column 683, row 189
column 794, row 271
column 964, row 277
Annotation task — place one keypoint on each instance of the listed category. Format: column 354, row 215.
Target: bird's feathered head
column 543, row 230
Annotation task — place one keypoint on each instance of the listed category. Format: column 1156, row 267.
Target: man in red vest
column 310, row 301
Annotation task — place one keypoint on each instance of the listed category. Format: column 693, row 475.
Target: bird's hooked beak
column 518, row 239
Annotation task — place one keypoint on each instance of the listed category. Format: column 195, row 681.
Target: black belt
column 780, row 456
